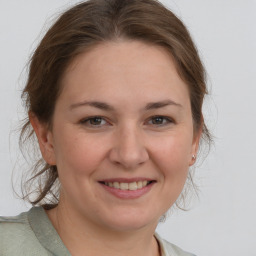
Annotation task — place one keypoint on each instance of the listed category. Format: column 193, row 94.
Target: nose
column 128, row 149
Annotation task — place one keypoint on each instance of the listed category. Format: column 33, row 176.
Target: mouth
column 128, row 188
column 131, row 186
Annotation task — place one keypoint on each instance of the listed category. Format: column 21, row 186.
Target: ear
column 195, row 145
column 45, row 139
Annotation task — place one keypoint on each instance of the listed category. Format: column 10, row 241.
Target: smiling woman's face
column 122, row 135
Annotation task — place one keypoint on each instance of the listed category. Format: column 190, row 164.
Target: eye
column 160, row 120
column 95, row 121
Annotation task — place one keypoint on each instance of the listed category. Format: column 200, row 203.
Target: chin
column 131, row 221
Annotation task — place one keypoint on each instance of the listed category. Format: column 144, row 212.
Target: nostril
column 129, row 155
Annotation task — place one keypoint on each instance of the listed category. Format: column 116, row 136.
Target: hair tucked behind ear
column 81, row 28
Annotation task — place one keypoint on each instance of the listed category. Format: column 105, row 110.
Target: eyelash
column 88, row 121
column 168, row 120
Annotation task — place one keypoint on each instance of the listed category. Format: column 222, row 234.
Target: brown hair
column 83, row 27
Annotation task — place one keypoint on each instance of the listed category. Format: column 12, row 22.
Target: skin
column 127, row 142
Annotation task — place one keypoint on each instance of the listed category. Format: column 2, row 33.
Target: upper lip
column 126, row 180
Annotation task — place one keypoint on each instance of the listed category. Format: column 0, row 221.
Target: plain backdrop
column 222, row 222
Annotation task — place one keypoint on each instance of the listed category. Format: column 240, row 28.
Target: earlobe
column 195, row 146
column 45, row 139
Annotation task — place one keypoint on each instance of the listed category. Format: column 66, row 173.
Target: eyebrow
column 96, row 104
column 161, row 104
column 107, row 107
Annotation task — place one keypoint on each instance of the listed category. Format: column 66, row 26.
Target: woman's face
column 122, row 135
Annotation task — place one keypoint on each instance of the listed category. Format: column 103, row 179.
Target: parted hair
column 78, row 30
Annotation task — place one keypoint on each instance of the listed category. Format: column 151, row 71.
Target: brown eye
column 160, row 120
column 95, row 121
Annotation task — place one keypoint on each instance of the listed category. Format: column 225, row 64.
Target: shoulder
column 169, row 249
column 17, row 237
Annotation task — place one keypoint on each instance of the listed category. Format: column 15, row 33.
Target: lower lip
column 128, row 194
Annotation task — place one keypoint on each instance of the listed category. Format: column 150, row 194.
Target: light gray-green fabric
column 32, row 234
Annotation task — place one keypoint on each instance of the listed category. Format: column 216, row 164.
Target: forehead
column 122, row 70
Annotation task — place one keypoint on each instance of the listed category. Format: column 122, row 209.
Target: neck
column 80, row 235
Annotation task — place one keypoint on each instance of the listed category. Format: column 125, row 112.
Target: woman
column 114, row 96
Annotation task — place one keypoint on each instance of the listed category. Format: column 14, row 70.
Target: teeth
column 139, row 184
column 124, row 186
column 133, row 186
column 128, row 186
column 115, row 184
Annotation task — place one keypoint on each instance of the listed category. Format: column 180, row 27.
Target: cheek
column 78, row 154
column 77, row 158
column 172, row 156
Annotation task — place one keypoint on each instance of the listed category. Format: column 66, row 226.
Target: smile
column 128, row 189
column 128, row 186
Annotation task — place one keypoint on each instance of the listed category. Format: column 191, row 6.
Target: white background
column 222, row 222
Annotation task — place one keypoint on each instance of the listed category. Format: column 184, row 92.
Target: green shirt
column 32, row 234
